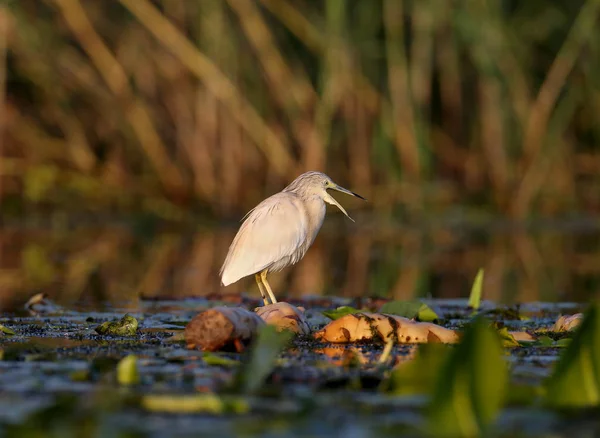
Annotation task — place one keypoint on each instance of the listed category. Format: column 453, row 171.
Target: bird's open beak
column 330, row 199
column 346, row 191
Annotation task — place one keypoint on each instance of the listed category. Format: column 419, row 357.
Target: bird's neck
column 315, row 211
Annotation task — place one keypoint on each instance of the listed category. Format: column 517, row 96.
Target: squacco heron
column 277, row 232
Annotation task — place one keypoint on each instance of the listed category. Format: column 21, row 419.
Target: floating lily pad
column 219, row 360
column 340, row 311
column 508, row 340
column 410, row 309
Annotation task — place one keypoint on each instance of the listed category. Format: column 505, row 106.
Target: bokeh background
column 135, row 134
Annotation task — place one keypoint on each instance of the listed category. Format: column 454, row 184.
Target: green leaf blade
column 476, row 291
column 263, row 354
column 470, row 390
column 575, row 381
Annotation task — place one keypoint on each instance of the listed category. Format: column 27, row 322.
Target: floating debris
column 284, row 316
column 566, row 323
column 222, row 328
column 380, row 327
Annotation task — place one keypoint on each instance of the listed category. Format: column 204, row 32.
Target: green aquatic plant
column 6, row 331
column 575, row 381
column 340, row 311
column 126, row 326
column 417, row 375
column 508, row 340
column 219, row 360
column 470, row 387
column 194, row 404
column 261, row 359
column 127, row 371
column 476, row 291
column 410, row 309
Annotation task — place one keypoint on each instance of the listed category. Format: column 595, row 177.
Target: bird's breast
column 315, row 209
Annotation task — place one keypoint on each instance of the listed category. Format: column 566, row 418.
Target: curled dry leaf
column 566, row 323
column 382, row 327
column 284, row 316
column 35, row 300
column 40, row 303
column 222, row 328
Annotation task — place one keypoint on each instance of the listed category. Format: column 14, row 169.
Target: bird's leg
column 261, row 288
column 263, row 276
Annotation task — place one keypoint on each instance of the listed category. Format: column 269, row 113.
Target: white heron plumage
column 278, row 231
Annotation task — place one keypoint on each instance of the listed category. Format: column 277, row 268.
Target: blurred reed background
column 451, row 116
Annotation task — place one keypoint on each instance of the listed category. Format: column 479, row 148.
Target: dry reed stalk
column 198, row 273
column 357, row 268
column 82, row 264
column 79, row 149
column 230, row 177
column 493, row 139
column 405, row 286
column 545, row 102
column 3, row 54
column 310, row 276
column 291, row 89
column 276, row 152
column 117, row 81
column 402, row 106
column 421, row 54
column 450, row 83
column 162, row 255
column 316, row 41
column 360, row 133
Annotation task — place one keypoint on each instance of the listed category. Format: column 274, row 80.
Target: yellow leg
column 261, row 288
column 263, row 276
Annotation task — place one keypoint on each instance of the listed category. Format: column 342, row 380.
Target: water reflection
column 117, row 264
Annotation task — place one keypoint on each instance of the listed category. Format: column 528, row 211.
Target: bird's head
column 316, row 184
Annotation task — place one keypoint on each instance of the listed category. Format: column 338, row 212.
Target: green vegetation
column 126, row 326
column 340, row 311
column 127, row 371
column 262, row 358
column 471, row 386
column 166, row 107
column 461, row 390
column 155, row 114
column 476, row 291
column 576, row 380
column 410, row 309
column 5, row 331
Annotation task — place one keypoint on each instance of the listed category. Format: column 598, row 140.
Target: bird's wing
column 274, row 229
